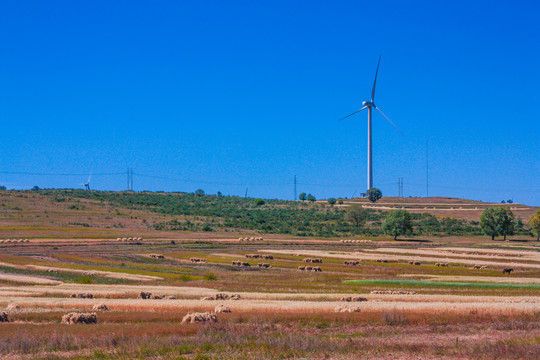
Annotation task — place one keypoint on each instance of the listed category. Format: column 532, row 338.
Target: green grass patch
column 443, row 284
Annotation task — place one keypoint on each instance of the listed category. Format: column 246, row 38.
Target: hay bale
column 100, row 307
column 199, row 317
column 79, row 318
column 347, row 309
column 144, row 295
column 13, row 307
column 4, row 317
column 222, row 309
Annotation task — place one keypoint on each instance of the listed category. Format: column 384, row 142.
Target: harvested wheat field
column 108, row 299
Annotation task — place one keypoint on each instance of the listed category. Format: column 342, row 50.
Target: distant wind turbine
column 368, row 105
column 87, row 184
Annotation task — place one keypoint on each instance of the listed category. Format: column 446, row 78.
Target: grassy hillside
column 79, row 213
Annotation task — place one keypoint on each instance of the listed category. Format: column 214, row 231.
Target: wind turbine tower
column 369, row 105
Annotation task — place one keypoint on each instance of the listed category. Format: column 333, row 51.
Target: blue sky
column 231, row 95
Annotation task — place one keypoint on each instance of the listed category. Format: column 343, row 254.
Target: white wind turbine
column 368, row 105
column 87, row 184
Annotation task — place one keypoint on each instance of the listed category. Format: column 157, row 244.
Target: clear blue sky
column 224, row 95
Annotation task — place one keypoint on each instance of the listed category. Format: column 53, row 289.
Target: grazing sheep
column 316, row 269
column 157, row 297
column 383, row 261
column 442, row 264
column 414, row 262
column 507, row 271
column 222, row 309
column 4, row 317
column 352, row 262
column 170, row 297
column 235, row 297
column 240, row 263
column 173, row 242
column 144, row 295
column 347, row 308
column 302, row 268
column 199, row 317
column 253, row 256
column 197, row 260
column 263, row 265
column 353, row 298
column 208, row 298
column 83, row 296
column 268, row 257
column 79, row 318
column 390, row 292
column 100, row 307
column 157, row 256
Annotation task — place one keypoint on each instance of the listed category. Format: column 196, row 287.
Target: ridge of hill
column 109, row 214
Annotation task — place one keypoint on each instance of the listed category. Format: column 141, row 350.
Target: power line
column 57, row 174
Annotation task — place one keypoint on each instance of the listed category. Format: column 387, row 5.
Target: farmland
column 437, row 297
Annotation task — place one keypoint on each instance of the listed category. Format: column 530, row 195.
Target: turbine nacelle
column 368, row 103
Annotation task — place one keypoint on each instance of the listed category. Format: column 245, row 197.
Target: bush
column 210, row 276
column 259, row 202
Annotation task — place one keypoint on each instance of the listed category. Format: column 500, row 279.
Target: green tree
column 302, row 197
column 35, row 188
column 505, row 218
column 534, row 223
column 199, row 192
column 340, row 201
column 259, row 202
column 331, row 201
column 397, row 222
column 2, row 187
column 496, row 221
column 357, row 215
column 488, row 222
column 374, row 194
column 311, row 198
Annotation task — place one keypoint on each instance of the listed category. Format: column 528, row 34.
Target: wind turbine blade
column 357, row 111
column 91, row 171
column 387, row 118
column 375, row 82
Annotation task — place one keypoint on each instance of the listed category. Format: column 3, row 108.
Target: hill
column 107, row 214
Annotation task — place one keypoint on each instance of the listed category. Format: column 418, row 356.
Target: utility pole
column 131, row 179
column 294, row 198
column 127, row 179
column 427, row 168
